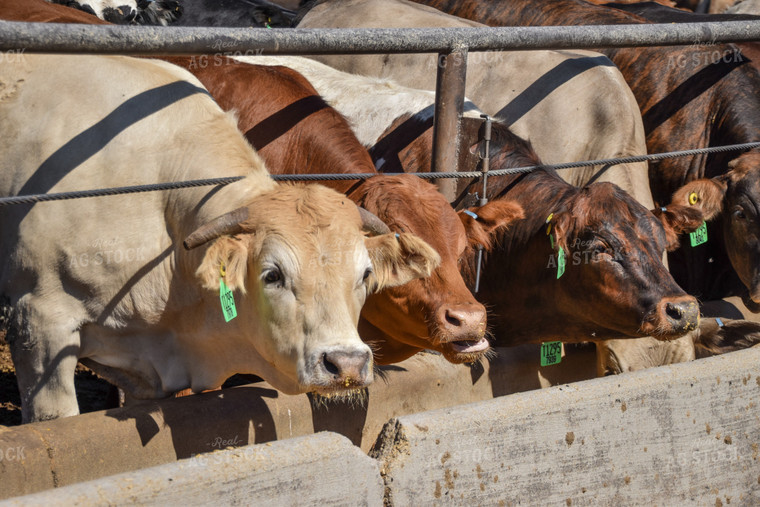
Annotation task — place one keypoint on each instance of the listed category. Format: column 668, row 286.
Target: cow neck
column 706, row 272
column 540, row 193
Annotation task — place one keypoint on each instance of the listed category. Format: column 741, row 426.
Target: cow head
column 438, row 312
column 613, row 248
column 301, row 268
column 613, row 284
column 734, row 199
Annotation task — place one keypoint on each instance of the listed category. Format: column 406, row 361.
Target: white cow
column 107, row 281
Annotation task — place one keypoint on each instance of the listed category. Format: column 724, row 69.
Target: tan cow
column 106, row 280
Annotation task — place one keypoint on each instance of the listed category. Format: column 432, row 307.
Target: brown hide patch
column 406, row 203
column 589, row 208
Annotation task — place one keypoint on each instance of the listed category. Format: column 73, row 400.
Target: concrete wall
column 321, row 469
column 684, row 434
column 89, row 446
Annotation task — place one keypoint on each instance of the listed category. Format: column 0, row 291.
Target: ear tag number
column 699, row 236
column 560, row 262
column 226, row 297
column 551, row 353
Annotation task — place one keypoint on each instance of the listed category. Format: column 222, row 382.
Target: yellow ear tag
column 226, row 297
column 693, row 198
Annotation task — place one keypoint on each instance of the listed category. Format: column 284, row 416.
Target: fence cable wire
column 34, row 198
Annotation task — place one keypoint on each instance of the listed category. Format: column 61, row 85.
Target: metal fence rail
column 63, row 38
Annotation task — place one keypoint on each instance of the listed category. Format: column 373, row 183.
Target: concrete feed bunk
column 682, row 433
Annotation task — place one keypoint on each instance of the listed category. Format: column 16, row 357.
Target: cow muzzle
column 673, row 317
column 460, row 332
column 340, row 371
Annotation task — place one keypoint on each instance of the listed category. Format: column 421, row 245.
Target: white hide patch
column 348, row 94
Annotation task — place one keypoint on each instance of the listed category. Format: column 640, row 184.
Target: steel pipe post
column 449, row 105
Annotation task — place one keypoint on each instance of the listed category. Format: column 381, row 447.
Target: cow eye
column 367, row 272
column 272, row 276
column 738, row 213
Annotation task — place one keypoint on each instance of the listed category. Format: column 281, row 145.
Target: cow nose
column 463, row 322
column 347, row 367
column 681, row 314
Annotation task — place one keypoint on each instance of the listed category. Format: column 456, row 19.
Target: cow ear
column 561, row 227
column 706, row 194
column 482, row 223
column 398, row 259
column 677, row 219
column 230, row 254
column 718, row 336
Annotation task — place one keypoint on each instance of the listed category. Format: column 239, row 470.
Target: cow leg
column 45, row 364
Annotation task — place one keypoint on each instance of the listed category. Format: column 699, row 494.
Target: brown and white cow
column 107, row 280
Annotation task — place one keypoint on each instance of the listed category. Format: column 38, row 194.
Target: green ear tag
column 699, row 236
column 560, row 262
column 551, row 241
column 551, row 353
column 228, row 301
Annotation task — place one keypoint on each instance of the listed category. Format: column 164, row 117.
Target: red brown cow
column 690, row 97
column 294, row 130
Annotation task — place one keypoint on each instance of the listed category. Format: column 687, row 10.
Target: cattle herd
column 309, row 286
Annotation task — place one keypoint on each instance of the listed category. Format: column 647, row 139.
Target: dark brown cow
column 612, row 248
column 660, row 13
column 295, row 131
column 690, row 97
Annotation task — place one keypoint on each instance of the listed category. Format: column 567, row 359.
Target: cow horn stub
column 372, row 224
column 229, row 223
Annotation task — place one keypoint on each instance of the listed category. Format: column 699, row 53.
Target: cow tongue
column 469, row 347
